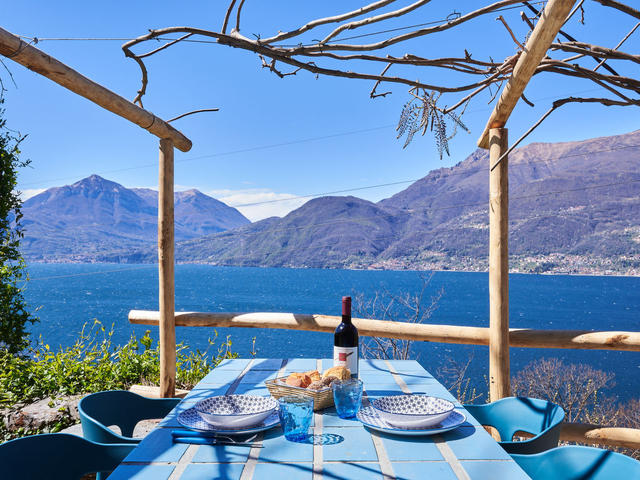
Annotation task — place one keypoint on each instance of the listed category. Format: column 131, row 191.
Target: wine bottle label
column 346, row 357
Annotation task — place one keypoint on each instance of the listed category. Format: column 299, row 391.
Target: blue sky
column 272, row 138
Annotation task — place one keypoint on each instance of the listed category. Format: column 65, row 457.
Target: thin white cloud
column 257, row 203
column 27, row 193
column 269, row 203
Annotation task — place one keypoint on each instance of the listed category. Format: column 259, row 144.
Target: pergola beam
column 551, row 20
column 34, row 59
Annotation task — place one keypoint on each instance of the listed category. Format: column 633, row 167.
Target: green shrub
column 93, row 363
column 14, row 315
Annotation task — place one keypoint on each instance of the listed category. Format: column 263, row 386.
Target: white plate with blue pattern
column 229, row 412
column 190, row 418
column 370, row 417
column 413, row 410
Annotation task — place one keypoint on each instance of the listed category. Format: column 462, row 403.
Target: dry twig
column 473, row 75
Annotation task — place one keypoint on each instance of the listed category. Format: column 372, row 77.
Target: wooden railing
column 518, row 337
column 597, row 434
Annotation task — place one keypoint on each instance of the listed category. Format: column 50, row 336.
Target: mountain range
column 574, row 207
column 95, row 216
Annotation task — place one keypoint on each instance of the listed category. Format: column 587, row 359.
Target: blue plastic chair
column 520, row 414
column 125, row 409
column 58, row 456
column 579, row 463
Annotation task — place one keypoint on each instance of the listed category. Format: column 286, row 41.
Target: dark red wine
column 345, row 343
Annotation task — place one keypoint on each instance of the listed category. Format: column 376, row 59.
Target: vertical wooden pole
column 499, row 371
column 166, row 271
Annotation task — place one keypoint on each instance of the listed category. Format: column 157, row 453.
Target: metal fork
column 210, row 438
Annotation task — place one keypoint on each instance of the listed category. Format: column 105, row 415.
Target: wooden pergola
column 16, row 49
column 499, row 337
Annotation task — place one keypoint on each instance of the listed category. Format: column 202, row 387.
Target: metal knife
column 214, row 441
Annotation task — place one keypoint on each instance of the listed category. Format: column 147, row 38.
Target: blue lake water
column 69, row 296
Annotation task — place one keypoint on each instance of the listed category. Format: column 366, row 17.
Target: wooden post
column 499, row 381
column 166, row 271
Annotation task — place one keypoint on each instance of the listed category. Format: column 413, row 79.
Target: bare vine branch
column 513, row 37
column 620, row 6
column 323, row 21
column 227, row 16
column 238, row 14
column 193, row 112
column 166, row 45
column 373, row 93
column 625, row 38
column 466, row 76
column 370, row 20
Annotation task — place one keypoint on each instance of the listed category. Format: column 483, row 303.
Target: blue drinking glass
column 295, row 413
column 347, row 396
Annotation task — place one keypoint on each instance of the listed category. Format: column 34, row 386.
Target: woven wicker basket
column 321, row 398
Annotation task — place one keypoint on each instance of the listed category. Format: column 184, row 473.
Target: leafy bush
column 14, row 315
column 93, row 363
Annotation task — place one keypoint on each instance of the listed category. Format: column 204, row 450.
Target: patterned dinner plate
column 412, row 410
column 231, row 412
column 371, row 418
column 190, row 418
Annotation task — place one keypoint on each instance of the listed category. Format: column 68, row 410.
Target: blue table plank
column 237, row 364
column 374, row 391
column 284, row 471
column 410, row 448
column 356, row 445
column 405, row 366
column 474, row 443
column 226, row 471
column 370, row 377
column 204, row 390
column 252, row 389
column 158, row 446
column 330, row 418
column 279, row 449
column 348, row 450
column 222, row 377
column 220, row 454
column 352, row 471
column 142, row 472
column 425, row 470
column 495, row 469
column 257, row 377
column 301, row 364
column 272, row 364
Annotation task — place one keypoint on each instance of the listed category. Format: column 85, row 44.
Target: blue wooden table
column 354, row 452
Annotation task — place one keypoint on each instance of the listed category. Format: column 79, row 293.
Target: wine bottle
column 345, row 343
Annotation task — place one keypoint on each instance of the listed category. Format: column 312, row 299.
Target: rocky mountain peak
column 98, row 215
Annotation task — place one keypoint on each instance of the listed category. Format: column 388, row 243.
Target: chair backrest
column 579, row 463
column 58, row 456
column 125, row 409
column 513, row 414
